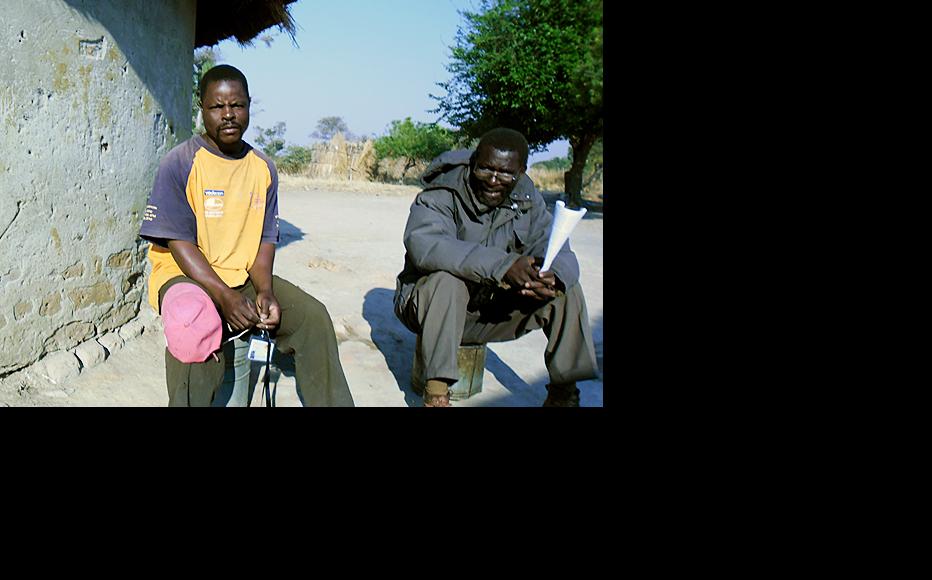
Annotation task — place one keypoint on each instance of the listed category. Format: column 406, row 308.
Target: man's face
column 225, row 107
column 495, row 174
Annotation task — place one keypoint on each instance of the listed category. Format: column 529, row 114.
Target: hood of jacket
column 451, row 171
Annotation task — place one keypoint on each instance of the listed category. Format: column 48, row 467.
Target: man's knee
column 310, row 309
column 445, row 287
column 315, row 310
column 296, row 302
column 573, row 299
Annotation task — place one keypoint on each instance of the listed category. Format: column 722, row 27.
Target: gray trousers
column 305, row 331
column 436, row 310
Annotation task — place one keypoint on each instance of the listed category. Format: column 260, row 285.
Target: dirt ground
column 342, row 243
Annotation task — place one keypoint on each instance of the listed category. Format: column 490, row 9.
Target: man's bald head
column 504, row 139
column 222, row 72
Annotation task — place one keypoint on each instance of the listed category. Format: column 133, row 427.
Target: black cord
column 268, row 360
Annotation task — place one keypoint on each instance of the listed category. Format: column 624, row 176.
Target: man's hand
column 238, row 310
column 270, row 311
column 267, row 307
column 525, row 276
column 521, row 272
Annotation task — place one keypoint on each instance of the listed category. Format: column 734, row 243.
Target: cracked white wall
column 92, row 95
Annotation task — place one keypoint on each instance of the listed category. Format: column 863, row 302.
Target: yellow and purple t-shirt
column 225, row 205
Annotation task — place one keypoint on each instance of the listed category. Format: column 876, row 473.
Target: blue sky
column 367, row 61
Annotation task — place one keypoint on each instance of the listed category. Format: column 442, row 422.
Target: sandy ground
column 345, row 249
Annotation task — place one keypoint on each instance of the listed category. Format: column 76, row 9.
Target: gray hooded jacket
column 450, row 229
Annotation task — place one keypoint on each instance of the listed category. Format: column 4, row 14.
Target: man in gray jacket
column 474, row 244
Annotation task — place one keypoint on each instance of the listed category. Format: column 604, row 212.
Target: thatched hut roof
column 244, row 19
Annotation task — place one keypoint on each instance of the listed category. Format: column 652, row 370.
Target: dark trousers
column 437, row 311
column 305, row 331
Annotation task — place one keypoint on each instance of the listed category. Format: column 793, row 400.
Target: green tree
column 534, row 66
column 413, row 142
column 555, row 164
column 593, row 170
column 205, row 58
column 295, row 160
column 271, row 141
column 330, row 126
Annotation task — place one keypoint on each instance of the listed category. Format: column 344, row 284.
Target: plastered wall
column 92, row 95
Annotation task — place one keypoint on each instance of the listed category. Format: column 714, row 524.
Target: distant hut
column 92, row 95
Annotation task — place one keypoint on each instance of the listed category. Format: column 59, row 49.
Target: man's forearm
column 195, row 266
column 261, row 271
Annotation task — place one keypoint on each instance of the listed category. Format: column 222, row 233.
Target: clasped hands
column 241, row 313
column 525, row 277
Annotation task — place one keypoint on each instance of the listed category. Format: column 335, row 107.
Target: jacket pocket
column 522, row 233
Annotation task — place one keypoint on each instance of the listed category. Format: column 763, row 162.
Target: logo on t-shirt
column 213, row 192
column 213, row 207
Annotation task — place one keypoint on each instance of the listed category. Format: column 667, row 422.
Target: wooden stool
column 470, row 361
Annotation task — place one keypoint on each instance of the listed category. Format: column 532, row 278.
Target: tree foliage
column 327, row 127
column 593, row 167
column 555, row 164
column 205, row 58
column 292, row 159
column 593, row 171
column 272, row 140
column 295, row 159
column 414, row 141
column 534, row 66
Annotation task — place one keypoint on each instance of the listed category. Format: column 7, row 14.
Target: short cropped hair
column 505, row 139
column 221, row 72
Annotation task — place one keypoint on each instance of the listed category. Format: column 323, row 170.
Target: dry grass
column 339, row 159
column 550, row 181
column 340, row 165
column 301, row 183
column 546, row 179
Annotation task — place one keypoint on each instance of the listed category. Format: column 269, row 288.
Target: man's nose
column 228, row 113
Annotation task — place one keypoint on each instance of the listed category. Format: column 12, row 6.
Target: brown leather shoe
column 437, row 400
column 565, row 395
column 436, row 393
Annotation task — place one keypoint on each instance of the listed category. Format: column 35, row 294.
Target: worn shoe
column 436, row 394
column 565, row 395
column 437, row 400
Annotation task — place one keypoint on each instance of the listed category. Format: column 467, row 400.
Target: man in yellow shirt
column 212, row 220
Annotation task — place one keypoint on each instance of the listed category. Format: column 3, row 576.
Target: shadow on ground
column 289, row 233
column 597, row 338
column 396, row 343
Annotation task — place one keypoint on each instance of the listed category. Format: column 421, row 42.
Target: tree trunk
column 409, row 163
column 572, row 179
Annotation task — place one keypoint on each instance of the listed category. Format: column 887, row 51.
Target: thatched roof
column 244, row 19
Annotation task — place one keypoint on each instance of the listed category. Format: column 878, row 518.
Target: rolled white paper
column 564, row 220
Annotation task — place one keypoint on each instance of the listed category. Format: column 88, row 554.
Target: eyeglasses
column 502, row 177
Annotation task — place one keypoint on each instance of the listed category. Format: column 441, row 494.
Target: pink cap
column 192, row 325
